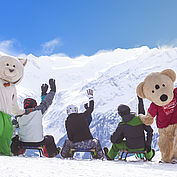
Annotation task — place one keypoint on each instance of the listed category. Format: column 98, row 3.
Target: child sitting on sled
column 79, row 135
column 132, row 129
column 30, row 124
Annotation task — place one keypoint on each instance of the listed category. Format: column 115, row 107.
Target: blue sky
column 76, row 27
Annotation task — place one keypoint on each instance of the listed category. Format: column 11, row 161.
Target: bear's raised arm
column 146, row 119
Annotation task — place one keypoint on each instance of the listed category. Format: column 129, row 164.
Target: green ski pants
column 115, row 148
column 6, row 131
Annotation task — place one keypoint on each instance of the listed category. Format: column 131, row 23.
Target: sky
column 84, row 27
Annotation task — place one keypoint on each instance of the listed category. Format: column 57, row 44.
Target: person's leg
column 115, row 148
column 51, row 147
column 95, row 144
column 91, row 144
column 15, row 146
column 65, row 152
column 5, row 134
column 82, row 145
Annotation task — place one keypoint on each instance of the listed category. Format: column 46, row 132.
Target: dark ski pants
column 92, row 143
column 115, row 149
column 49, row 147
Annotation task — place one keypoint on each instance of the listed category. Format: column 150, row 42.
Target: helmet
column 71, row 109
column 30, row 103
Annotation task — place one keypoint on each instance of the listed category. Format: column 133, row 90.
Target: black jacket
column 77, row 126
column 132, row 129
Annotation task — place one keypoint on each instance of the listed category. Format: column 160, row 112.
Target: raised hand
column 89, row 93
column 52, row 85
column 44, row 89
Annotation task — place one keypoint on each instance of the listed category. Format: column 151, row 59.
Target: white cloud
column 6, row 46
column 167, row 44
column 10, row 47
column 50, row 46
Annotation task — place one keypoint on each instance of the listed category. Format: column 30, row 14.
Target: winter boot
column 106, row 153
column 150, row 155
column 58, row 150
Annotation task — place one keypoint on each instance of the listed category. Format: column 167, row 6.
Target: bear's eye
column 157, row 86
column 163, row 85
column 152, row 91
column 7, row 64
column 14, row 66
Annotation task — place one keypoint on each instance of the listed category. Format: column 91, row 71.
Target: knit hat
column 30, row 103
column 123, row 110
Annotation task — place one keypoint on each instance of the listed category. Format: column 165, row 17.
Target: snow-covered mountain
column 113, row 75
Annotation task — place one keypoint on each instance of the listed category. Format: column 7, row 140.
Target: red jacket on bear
column 166, row 115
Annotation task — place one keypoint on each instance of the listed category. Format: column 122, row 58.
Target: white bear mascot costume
column 11, row 73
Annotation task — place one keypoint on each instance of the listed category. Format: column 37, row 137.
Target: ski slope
column 56, row 167
column 113, row 75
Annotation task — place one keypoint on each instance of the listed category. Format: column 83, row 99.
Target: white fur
column 11, row 71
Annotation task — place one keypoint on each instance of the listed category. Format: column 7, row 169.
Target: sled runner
column 139, row 154
column 39, row 148
column 73, row 150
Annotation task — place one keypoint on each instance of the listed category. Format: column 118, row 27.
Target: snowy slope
column 54, row 167
column 113, row 75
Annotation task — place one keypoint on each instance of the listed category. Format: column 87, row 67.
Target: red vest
column 165, row 115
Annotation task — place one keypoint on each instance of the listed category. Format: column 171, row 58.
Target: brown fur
column 139, row 90
column 166, row 142
column 146, row 89
column 24, row 62
column 170, row 73
column 175, row 145
column 146, row 119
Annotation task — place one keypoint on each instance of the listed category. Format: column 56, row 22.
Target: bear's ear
column 22, row 61
column 139, row 90
column 170, row 73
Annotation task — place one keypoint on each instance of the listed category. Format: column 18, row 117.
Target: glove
column 90, row 94
column 15, row 123
column 52, row 85
column 44, row 89
column 86, row 105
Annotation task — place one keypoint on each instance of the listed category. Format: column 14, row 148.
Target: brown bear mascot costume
column 158, row 87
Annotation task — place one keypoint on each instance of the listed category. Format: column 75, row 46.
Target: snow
column 56, row 167
column 114, row 76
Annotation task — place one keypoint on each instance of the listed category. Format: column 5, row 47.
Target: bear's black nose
column 163, row 97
